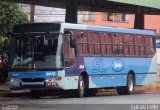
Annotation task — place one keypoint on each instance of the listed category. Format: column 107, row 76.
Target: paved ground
column 144, row 98
column 5, row 92
column 110, row 101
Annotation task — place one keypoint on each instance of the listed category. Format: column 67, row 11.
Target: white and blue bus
column 64, row 56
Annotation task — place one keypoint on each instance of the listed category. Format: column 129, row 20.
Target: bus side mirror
column 5, row 43
column 73, row 41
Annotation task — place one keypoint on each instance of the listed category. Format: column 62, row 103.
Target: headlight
column 17, row 80
column 14, row 80
column 51, row 79
column 11, row 79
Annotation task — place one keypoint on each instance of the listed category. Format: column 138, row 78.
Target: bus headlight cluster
column 14, row 80
column 54, row 78
column 51, row 79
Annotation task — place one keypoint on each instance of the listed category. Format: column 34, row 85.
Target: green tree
column 10, row 14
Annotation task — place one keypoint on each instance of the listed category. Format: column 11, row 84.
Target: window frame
column 106, row 17
column 111, row 44
column 107, row 44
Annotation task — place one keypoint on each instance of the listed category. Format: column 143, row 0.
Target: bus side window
column 91, row 43
column 94, row 43
column 129, row 45
column 106, row 44
column 149, row 46
column 97, row 47
column 79, row 44
column 118, row 44
column 115, row 50
column 139, row 45
column 84, row 39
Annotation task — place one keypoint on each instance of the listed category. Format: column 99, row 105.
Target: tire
column 82, row 88
column 127, row 90
column 35, row 94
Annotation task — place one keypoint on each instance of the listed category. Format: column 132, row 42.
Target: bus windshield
column 37, row 51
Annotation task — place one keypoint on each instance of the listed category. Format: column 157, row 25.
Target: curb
column 10, row 94
column 148, row 87
column 136, row 89
column 7, row 95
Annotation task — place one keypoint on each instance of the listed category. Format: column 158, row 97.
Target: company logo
column 15, row 75
column 98, row 66
column 51, row 74
column 117, row 65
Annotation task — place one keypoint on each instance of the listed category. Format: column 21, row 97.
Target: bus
column 82, row 58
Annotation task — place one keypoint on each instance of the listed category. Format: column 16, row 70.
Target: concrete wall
column 48, row 14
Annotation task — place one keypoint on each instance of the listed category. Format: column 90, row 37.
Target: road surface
column 148, row 100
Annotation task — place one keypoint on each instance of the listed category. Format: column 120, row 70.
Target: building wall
column 99, row 20
column 47, row 14
column 152, row 22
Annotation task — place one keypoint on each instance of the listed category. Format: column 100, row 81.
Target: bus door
column 70, row 55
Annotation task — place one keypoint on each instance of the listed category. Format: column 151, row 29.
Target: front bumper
column 19, row 85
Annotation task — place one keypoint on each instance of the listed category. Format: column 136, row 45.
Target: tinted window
column 139, row 45
column 106, row 43
column 129, row 44
column 118, row 44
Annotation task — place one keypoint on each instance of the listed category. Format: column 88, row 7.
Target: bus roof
column 108, row 29
column 52, row 26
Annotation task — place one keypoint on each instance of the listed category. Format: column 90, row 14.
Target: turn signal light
column 59, row 78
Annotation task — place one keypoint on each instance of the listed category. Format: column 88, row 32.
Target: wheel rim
column 130, row 84
column 81, row 88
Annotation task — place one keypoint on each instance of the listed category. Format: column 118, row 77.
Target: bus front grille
column 33, row 79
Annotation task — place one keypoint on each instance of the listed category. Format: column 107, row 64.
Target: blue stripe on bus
column 98, row 65
column 121, row 30
column 33, row 74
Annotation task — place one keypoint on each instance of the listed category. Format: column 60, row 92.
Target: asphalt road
column 148, row 100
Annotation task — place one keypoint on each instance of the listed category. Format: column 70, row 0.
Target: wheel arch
column 85, row 75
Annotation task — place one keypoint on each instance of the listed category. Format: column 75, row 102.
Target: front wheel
column 127, row 90
column 82, row 88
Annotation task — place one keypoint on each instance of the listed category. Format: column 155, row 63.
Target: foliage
column 10, row 14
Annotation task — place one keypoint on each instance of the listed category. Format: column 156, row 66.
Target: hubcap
column 81, row 87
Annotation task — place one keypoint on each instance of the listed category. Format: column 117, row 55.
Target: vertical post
column 32, row 12
column 139, row 19
column 71, row 11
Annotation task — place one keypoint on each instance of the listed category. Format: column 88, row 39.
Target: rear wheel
column 127, row 90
